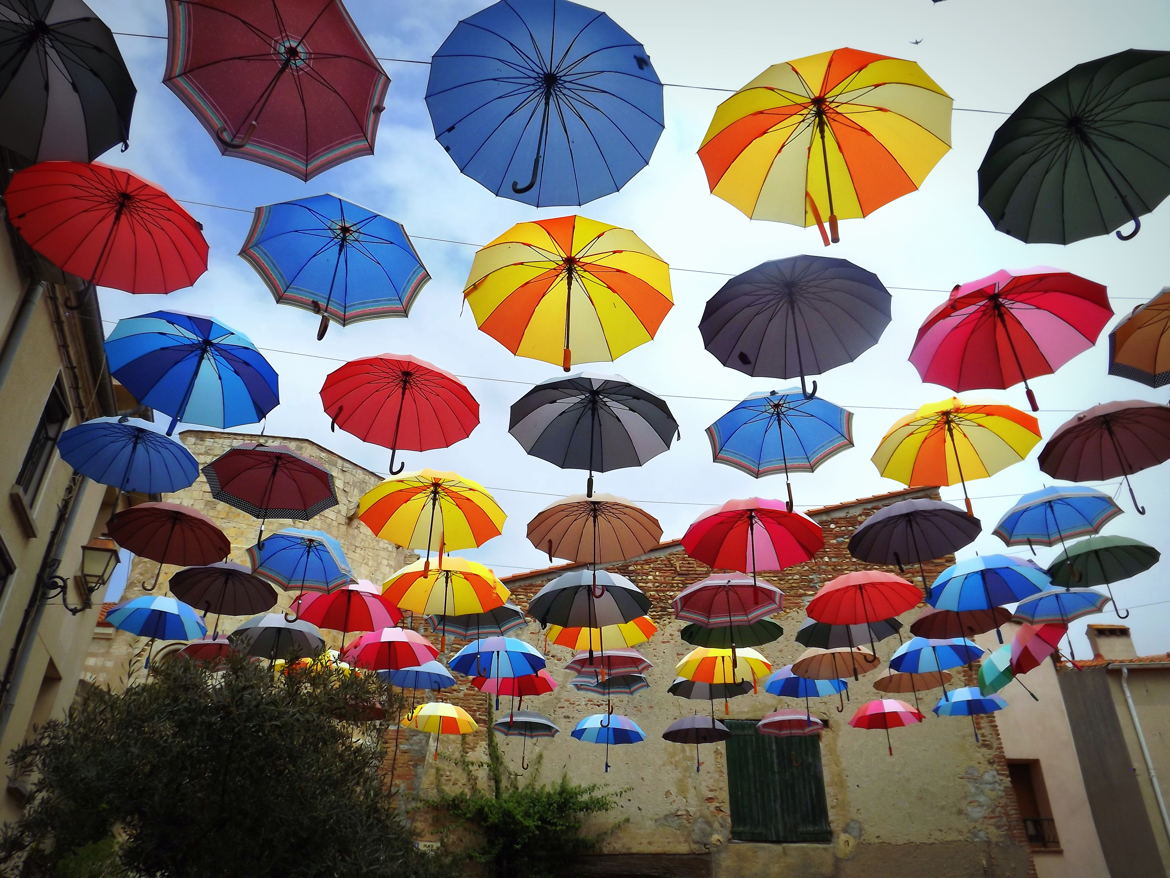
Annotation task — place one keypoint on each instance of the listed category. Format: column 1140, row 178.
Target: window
column 1032, row 799
column 7, row 568
column 775, row 786
column 43, row 442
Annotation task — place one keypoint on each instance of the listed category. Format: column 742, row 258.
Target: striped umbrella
column 789, row 724
column 608, row 728
column 922, row 655
column 389, row 649
column 272, row 636
column 787, row 684
column 752, row 534
column 1052, row 515
column 438, row 718
column 623, row 634
column 986, row 581
column 456, row 586
column 1032, row 644
column 612, row 661
column 428, row 675
column 708, row 665
column 495, row 622
column 995, row 672
column 157, row 617
column 618, row 684
column 885, row 713
column 1060, row 606
column 497, row 657
column 304, row 560
column 968, row 701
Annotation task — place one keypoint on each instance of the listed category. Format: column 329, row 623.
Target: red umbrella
column 610, row 662
column 789, row 723
column 106, row 225
column 1107, row 441
column 1008, row 327
column 726, row 599
column 1033, row 644
column 399, row 402
column 212, row 649
column 170, row 534
column 885, row 713
column 863, row 597
column 356, row 607
column 540, row 683
column 290, row 85
column 270, row 481
column 753, row 534
column 389, row 649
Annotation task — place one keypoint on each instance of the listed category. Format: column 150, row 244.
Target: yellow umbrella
column 568, row 290
column 716, row 666
column 947, row 442
column 457, row 587
column 840, row 133
column 439, row 718
column 621, row 635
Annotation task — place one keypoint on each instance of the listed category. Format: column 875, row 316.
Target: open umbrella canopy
column 594, row 530
column 710, row 665
column 899, row 683
column 752, row 534
column 523, row 686
column 128, row 454
column 617, row 684
column 1052, row 515
column 457, row 587
column 922, row 655
column 546, row 102
column 302, row 560
column 164, row 618
column 1060, row 606
column 439, row 718
column 211, row 649
column 525, row 724
column 681, row 687
column 271, row 636
column 885, row 713
column 835, row 664
column 995, row 671
column 611, row 728
column 632, row 633
column 227, row 588
column 1138, row 347
column 352, row 607
column 786, row 684
column 986, row 581
column 959, row 623
column 169, row 533
column 727, row 636
column 612, row 661
column 389, row 649
column 428, row 675
column 863, row 597
column 727, row 599
column 789, row 723
column 827, row 636
column 1102, row 560
column 294, row 87
column 490, row 623
column 497, row 657
column 1032, row 644
column 913, row 531
column 588, row 599
column 696, row 729
column 968, row 701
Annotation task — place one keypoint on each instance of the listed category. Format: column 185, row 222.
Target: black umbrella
column 588, row 599
column 65, row 92
column 224, row 588
column 696, row 729
column 592, row 422
column 730, row 636
column 794, row 317
column 826, row 636
column 1084, row 154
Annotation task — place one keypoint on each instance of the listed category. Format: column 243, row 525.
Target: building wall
column 1149, row 687
column 941, row 805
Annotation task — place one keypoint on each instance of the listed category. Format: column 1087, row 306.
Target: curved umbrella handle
column 1137, row 227
column 804, row 388
column 322, row 327
column 1138, row 508
column 520, row 190
column 231, row 142
column 401, row 466
column 523, row 762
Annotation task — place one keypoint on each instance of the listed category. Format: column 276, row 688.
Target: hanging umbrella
column 577, row 638
column 225, row 588
column 162, row 618
column 594, row 530
column 107, row 226
column 794, row 317
column 921, row 655
column 547, row 103
column 838, row 134
column 751, row 634
column 192, row 368
column 1051, row 515
column 440, row 719
column 1032, row 644
column 696, row 729
column 968, row 701
column 456, row 586
column 789, row 724
column 1060, row 606
column 128, row 454
column 786, row 684
column 885, row 713
column 429, row 510
column 1102, row 560
column 899, row 683
column 723, row 600
column 952, row 441
column 986, row 581
column 523, row 686
column 273, row 637
column 169, row 534
column 835, row 664
column 305, row 560
column 497, row 657
column 995, row 671
column 295, row 87
column 211, row 649
column 864, row 597
column 65, row 93
column 568, row 290
column 612, row 661
column 389, row 649
column 1008, row 327
column 588, row 599
column 708, row 665
column 1083, row 154
column 525, row 724
column 608, row 728
column 399, row 402
column 428, row 675
column 270, row 481
column 1110, row 440
column 472, row 626
column 825, row 635
column 1137, row 345
column 597, row 423
column 618, row 684
column 693, row 689
column 958, row 623
column 352, row 607
column 334, row 258
column 772, row 432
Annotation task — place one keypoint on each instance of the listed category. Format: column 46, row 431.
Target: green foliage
column 198, row 772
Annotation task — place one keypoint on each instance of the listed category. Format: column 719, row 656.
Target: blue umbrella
column 128, row 454
column 608, row 728
column 1060, row 606
column 922, row 655
column 781, row 432
column 164, row 618
column 968, row 701
column 1052, row 515
column 787, row 685
column 498, row 657
column 431, row 675
column 192, row 368
column 545, row 101
column 986, row 581
column 306, row 560
column 334, row 258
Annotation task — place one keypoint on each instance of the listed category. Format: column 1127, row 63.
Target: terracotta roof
column 1097, row 662
column 102, row 611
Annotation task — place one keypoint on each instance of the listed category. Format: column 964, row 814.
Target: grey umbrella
column 588, row 599
column 592, row 422
column 794, row 317
column 224, row 589
column 696, row 729
column 826, row 636
column 273, row 637
column 65, row 92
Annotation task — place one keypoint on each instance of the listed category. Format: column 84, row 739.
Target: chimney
column 1110, row 642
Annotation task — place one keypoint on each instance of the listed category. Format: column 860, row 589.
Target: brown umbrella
column 224, row 589
column 170, row 534
column 896, row 683
column 1138, row 346
column 594, row 530
column 835, row 664
column 941, row 624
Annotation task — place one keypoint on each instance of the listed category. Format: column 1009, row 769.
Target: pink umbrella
column 1033, row 644
column 789, row 723
column 356, row 607
column 885, row 713
column 540, row 683
column 211, row 649
column 389, row 649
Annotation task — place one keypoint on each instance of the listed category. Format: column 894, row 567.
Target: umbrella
column 210, row 649
column 958, row 623
column 709, row 665
column 352, row 607
column 828, row 636
column 539, row 683
column 162, row 618
column 1032, row 644
column 292, row 87
column 224, row 588
column 899, row 683
column 270, row 481
column 169, row 534
column 724, row 600
column 456, row 586
column 335, row 259
column 1137, row 348
column 885, row 713
column 751, row 634
column 612, row 661
column 1060, row 606
column 594, row 530
column 696, row 729
column 623, row 634
column 429, row 509
column 389, row 649
column 1102, row 560
column 1110, row 440
column 1008, row 327
column 588, row 599
column 864, row 597
column 1082, row 154
column 306, row 560
column 602, row 285
column 835, row 664
column 428, row 675
column 546, row 103
column 592, row 422
column 107, row 226
column 128, row 454
column 693, row 689
column 192, row 368
column 952, row 441
column 618, row 684
column 794, row 317
column 1051, row 515
column 608, row 728
column 968, row 701
column 995, row 671
column 439, row 719
column 986, row 581
column 789, row 724
column 399, row 402
column 922, row 655
column 786, row 684
column 497, row 657
column 65, row 93
column 273, row 637
column 772, row 432
column 840, row 133
column 525, row 724
column 490, row 623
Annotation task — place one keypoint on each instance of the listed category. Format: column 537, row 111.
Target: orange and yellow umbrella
column 947, row 442
column 456, row 587
column 568, row 290
column 718, row 666
column 837, row 134
column 439, row 718
column 599, row 639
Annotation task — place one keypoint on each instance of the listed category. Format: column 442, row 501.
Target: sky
column 987, row 54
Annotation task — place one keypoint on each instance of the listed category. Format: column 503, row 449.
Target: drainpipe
column 1137, row 727
column 28, row 305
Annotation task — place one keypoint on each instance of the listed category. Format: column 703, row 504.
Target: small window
column 1032, row 799
column 43, row 442
column 776, row 787
column 7, row 568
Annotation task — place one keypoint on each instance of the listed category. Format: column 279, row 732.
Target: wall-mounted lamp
column 99, row 557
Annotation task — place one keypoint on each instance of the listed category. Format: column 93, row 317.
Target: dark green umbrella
column 1084, row 154
column 1102, row 560
column 753, row 634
